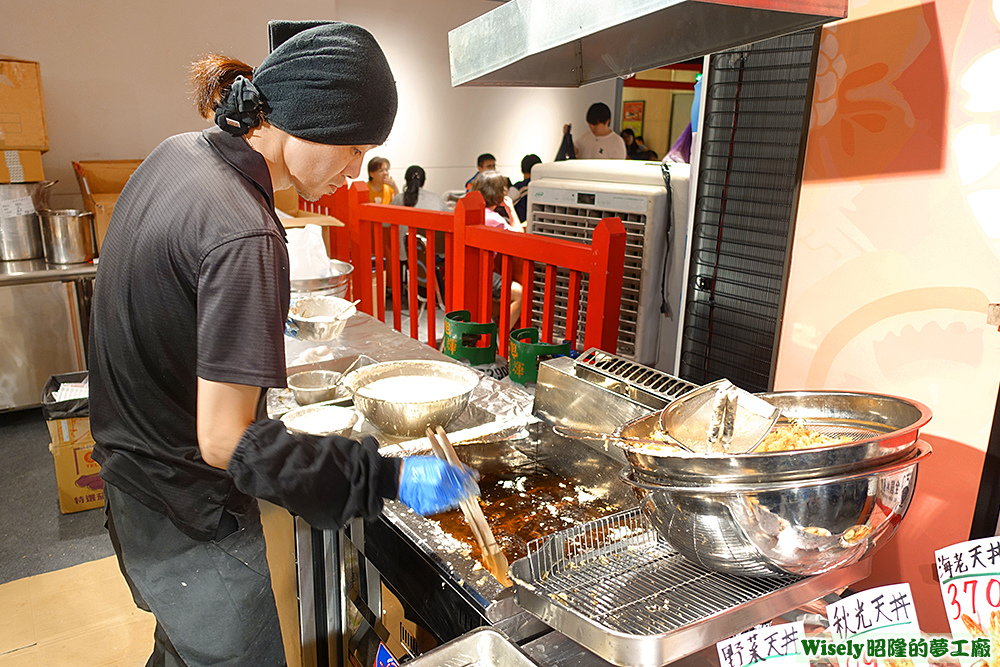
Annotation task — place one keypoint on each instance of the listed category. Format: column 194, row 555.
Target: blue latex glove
column 428, row 485
column 291, row 330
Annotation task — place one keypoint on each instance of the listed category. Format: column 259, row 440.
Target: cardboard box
column 77, row 473
column 78, row 477
column 287, row 201
column 21, row 167
column 22, row 108
column 101, row 181
column 103, row 207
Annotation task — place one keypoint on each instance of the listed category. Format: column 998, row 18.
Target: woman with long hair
column 415, row 195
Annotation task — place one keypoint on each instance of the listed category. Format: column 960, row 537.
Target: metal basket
column 618, row 588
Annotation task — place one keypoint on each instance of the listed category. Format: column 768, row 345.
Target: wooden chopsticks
column 493, row 558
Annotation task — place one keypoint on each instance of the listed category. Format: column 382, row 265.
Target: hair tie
column 241, row 109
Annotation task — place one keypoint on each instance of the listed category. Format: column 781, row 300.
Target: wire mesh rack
column 616, row 587
column 617, row 571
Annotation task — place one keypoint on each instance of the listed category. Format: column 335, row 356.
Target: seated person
column 519, row 191
column 381, row 187
column 635, row 149
column 485, row 162
column 415, row 195
column 493, row 187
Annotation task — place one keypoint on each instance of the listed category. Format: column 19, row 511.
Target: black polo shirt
column 192, row 282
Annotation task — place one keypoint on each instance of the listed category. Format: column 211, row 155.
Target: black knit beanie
column 329, row 83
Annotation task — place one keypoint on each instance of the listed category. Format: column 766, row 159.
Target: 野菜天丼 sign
column 779, row 645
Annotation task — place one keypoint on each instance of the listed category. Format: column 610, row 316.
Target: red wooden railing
column 469, row 248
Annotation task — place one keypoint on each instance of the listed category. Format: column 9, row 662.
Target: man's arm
column 224, row 412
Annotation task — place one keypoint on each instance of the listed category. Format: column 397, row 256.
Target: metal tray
column 881, row 429
column 618, row 589
column 481, row 647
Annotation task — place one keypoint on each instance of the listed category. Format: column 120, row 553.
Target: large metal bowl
column 410, row 413
column 881, row 428
column 333, row 285
column 795, row 527
column 315, row 318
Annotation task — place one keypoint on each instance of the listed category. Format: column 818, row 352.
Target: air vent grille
column 578, row 224
column 757, row 102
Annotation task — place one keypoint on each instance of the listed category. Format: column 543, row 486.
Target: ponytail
column 415, row 178
column 212, row 78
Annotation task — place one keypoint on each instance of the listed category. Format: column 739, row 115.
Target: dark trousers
column 212, row 600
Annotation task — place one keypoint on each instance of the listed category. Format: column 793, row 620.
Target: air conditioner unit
column 567, row 200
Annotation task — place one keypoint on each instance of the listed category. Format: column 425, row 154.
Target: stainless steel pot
column 20, row 234
column 68, row 236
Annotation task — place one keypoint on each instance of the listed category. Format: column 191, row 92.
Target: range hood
column 569, row 43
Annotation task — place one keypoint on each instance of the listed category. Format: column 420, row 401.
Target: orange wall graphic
column 895, row 253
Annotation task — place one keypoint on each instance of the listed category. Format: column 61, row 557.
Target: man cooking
column 187, row 334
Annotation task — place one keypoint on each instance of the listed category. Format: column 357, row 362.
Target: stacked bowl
column 799, row 512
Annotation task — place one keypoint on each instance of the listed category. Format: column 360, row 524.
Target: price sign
column 970, row 585
column 875, row 627
column 778, row 645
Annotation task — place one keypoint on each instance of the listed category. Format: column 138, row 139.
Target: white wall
column 444, row 129
column 115, row 80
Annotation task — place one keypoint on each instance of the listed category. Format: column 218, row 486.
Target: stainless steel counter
column 46, row 315
column 309, row 562
column 401, row 582
column 32, row 271
column 366, row 335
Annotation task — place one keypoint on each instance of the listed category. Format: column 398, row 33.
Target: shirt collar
column 238, row 153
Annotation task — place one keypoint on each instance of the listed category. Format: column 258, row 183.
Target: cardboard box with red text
column 77, row 473
column 78, row 478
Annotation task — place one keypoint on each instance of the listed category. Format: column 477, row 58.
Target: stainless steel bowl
column 321, row 420
column 333, row 285
column 310, row 387
column 881, row 428
column 397, row 413
column 795, row 527
column 315, row 318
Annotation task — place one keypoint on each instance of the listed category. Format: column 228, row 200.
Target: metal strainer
column 718, row 418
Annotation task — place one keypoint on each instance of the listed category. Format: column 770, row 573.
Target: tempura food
column 795, row 436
